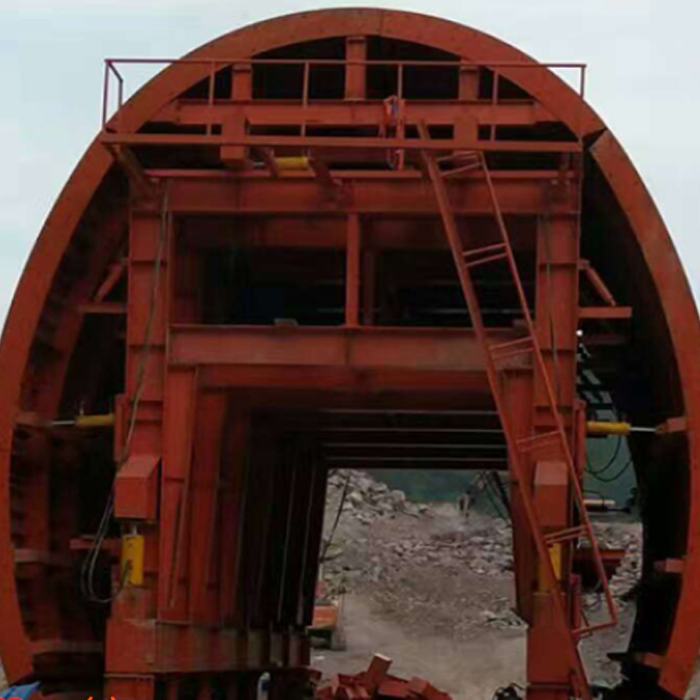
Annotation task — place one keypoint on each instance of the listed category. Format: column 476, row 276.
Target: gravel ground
column 434, row 590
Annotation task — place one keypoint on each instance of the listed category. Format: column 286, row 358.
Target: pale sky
column 643, row 58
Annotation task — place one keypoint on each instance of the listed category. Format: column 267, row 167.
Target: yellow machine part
column 555, row 554
column 594, row 427
column 99, row 421
column 133, row 555
column 293, row 163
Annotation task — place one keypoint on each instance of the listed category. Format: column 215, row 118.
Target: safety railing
column 113, row 74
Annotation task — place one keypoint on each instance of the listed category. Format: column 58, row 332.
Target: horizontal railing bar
column 339, row 62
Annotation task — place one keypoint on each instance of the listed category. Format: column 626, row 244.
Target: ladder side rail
column 551, row 398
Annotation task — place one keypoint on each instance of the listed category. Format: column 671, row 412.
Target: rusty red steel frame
column 395, row 243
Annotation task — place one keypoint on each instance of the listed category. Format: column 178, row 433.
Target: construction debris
column 376, row 683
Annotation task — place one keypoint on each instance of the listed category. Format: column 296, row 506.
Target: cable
column 548, row 271
column 500, row 489
column 597, row 473
column 89, row 566
column 609, row 480
column 495, row 498
column 611, row 461
column 488, row 489
column 329, row 541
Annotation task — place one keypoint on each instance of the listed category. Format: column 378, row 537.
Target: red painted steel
column 258, row 284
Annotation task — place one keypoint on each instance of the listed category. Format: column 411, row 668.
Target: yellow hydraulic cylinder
column 98, row 421
column 104, row 420
column 293, row 163
column 555, row 555
column 594, row 427
column 133, row 556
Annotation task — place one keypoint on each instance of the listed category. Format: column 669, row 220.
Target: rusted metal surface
column 250, row 269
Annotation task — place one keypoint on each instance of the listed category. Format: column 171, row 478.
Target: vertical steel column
column 466, row 125
column 549, row 674
column 203, row 572
column 130, row 642
column 235, row 465
column 181, row 395
column 519, row 395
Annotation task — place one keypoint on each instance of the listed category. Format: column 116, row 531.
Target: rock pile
column 429, row 566
column 627, row 537
column 368, row 499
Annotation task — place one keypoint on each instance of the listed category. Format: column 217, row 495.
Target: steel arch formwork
column 247, row 275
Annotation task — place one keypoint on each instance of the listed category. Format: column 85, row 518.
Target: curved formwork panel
column 394, row 242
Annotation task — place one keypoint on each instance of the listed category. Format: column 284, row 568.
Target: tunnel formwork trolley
column 347, row 238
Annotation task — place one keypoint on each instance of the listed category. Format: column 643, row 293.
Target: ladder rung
column 510, row 355
column 485, row 261
column 533, row 441
column 484, row 249
column 513, row 347
column 459, row 155
column 559, row 536
column 587, row 630
column 511, row 343
column 485, row 254
column 447, row 174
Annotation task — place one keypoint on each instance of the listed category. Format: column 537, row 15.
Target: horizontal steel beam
column 421, row 463
column 402, row 446
column 342, row 113
column 412, row 435
column 338, row 142
column 177, row 648
column 299, row 388
column 422, row 451
column 329, row 232
column 519, row 194
column 391, row 424
column 358, row 348
column 605, row 313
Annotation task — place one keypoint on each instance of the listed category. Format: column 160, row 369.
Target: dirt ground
column 469, row 669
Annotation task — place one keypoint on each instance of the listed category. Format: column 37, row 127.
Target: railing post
column 305, row 95
column 356, row 68
column 352, row 271
column 210, row 96
column 468, row 81
column 494, row 103
column 241, row 91
column 242, row 88
column 105, row 95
